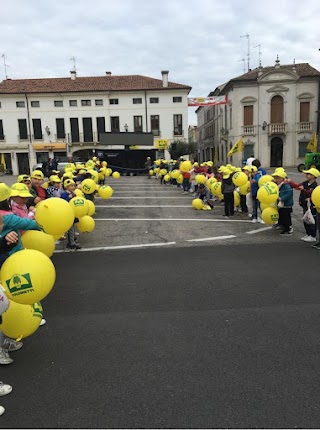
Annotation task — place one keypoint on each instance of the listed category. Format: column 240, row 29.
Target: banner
column 312, row 145
column 161, row 143
column 207, row 101
column 237, row 147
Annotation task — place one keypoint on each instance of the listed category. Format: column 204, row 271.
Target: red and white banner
column 207, row 101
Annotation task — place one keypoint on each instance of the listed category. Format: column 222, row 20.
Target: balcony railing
column 279, row 128
column 249, row 130
column 302, row 127
column 82, row 138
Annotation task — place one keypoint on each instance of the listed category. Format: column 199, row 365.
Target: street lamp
column 126, row 128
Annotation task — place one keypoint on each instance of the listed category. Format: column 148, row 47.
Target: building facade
column 61, row 117
column 275, row 110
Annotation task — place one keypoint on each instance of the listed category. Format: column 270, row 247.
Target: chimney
column 277, row 65
column 73, row 74
column 108, row 73
column 165, row 74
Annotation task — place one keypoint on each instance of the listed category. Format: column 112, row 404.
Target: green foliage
column 181, row 147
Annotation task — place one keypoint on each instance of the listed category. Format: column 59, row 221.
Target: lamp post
column 126, row 128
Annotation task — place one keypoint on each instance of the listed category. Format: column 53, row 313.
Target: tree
column 181, row 147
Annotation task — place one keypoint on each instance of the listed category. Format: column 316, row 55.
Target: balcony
column 249, row 130
column 279, row 128
column 303, row 127
column 82, row 138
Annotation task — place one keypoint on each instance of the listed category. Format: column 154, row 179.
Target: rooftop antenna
column 248, row 53
column 244, row 64
column 73, row 59
column 5, row 65
column 260, row 53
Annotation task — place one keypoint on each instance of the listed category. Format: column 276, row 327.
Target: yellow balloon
column 90, row 164
column 28, row 276
column 166, row 178
column 105, row 191
column 175, row 174
column 78, row 192
column 197, row 204
column 264, row 179
column 86, row 224
column 268, row 192
column 263, row 206
column 55, row 216
column 94, row 175
column 245, row 189
column 104, row 163
column 101, row 176
column 185, row 166
column 163, row 172
column 45, row 185
column 157, row 162
column 88, row 186
column 91, row 208
column 216, row 189
column 38, row 240
column 20, row 321
column 270, row 215
column 150, row 172
column 236, row 198
column 201, row 179
column 239, row 179
column 211, row 181
column 315, row 196
column 79, row 206
column 180, row 179
column 116, row 175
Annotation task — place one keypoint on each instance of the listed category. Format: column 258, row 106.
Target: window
column 23, row 130
column 74, row 127
column 20, row 104
column 230, row 117
column 303, row 148
column 85, row 102
column 114, row 101
column 1, row 130
column 58, row 103
column 137, row 123
column 248, row 150
column 35, row 104
column 98, row 102
column 277, row 110
column 0, row 105
column 304, row 111
column 177, row 99
column 87, row 129
column 115, row 124
column 154, row 99
column 248, row 115
column 37, row 129
column 61, row 134
column 177, row 125
column 73, row 103
column 101, row 126
column 137, row 101
column 155, row 125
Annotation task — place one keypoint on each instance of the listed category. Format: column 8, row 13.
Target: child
column 69, row 186
column 54, row 186
column 204, row 194
column 285, row 201
column 227, row 189
column 256, row 175
column 19, row 197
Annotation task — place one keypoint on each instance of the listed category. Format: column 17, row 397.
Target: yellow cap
column 226, row 174
column 68, row 182
column 280, row 173
column 68, row 175
column 314, row 172
column 20, row 190
column 5, row 192
column 54, row 178
column 248, row 168
column 254, row 169
column 37, row 174
column 22, row 178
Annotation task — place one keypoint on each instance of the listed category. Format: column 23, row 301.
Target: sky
column 199, row 42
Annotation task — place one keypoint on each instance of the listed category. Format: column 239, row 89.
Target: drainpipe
column 318, row 121
column 146, row 108
column 29, row 126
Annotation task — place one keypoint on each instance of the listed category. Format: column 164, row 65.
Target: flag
column 237, row 147
column 3, row 162
column 312, row 145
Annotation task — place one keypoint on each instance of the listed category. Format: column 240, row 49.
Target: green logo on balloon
column 271, row 190
column 20, row 284
column 37, row 310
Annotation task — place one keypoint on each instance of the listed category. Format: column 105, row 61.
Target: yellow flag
column 312, row 145
column 237, row 147
column 3, row 162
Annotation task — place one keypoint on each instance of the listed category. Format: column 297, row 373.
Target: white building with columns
column 275, row 110
column 60, row 117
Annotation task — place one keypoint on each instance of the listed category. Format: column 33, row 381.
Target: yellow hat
column 20, row 190
column 237, row 169
column 226, row 174
column 22, row 178
column 55, row 171
column 248, row 168
column 68, row 175
column 314, row 172
column 195, row 164
column 254, row 169
column 222, row 169
column 5, row 192
column 210, row 163
column 68, row 182
column 37, row 174
column 94, row 158
column 280, row 173
column 54, row 178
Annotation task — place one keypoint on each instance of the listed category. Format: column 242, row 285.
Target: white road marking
column 171, row 219
column 141, row 206
column 147, row 197
column 259, row 230
column 107, row 248
column 212, row 238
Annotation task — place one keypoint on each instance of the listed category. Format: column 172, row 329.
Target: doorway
column 23, row 163
column 276, row 156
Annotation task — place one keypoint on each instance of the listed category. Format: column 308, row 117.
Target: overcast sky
column 197, row 41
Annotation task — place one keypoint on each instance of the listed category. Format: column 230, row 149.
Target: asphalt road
column 215, row 334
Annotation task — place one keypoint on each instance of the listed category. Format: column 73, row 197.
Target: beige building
column 275, row 110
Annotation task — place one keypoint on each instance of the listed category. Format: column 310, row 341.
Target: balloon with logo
column 236, row 196
column 86, row 224
column 79, row 206
column 116, row 175
column 270, row 215
column 166, row 178
column 163, row 172
column 94, row 175
column 180, row 179
column 263, row 206
column 38, row 240
column 21, row 321
column 88, row 186
column 197, row 204
column 268, row 192
column 55, row 216
column 201, row 179
column 264, row 179
column 175, row 174
column 185, row 166
column 216, row 189
column 90, row 164
column 105, row 191
column 245, row 189
column 210, row 182
column 28, row 276
column 315, row 196
column 91, row 208
column 239, row 179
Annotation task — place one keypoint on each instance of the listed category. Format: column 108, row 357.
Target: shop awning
column 49, row 146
